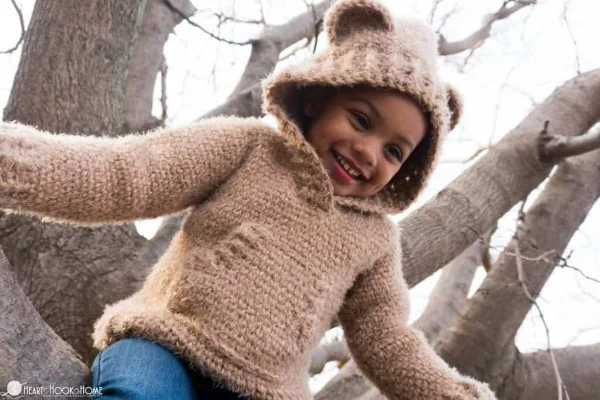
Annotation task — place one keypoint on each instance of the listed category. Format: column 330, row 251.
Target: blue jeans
column 136, row 368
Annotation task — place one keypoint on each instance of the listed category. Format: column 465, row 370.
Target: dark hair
column 304, row 97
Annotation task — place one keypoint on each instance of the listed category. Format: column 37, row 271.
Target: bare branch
column 267, row 49
column 442, row 228
column 563, row 264
column 146, row 62
column 521, row 277
column 226, row 18
column 447, row 17
column 577, row 63
column 295, row 49
column 22, row 23
column 478, row 37
column 479, row 342
column 450, row 293
column 434, row 9
column 555, row 147
column 336, row 350
column 176, row 10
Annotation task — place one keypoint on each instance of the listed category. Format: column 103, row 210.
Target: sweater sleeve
column 394, row 356
column 89, row 180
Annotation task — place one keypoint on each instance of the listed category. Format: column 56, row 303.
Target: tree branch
column 450, row 293
column 147, row 60
column 533, row 374
column 183, row 15
column 266, row 50
column 336, row 350
column 477, row 343
column 30, row 350
column 437, row 232
column 521, row 277
column 22, row 23
column 475, row 39
column 555, row 147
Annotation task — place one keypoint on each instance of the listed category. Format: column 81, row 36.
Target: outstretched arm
column 90, row 180
column 394, row 356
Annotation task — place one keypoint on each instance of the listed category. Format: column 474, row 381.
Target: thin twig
column 561, row 388
column 22, row 23
column 226, row 18
column 446, row 18
column 209, row 33
column 564, row 263
column 433, row 10
column 163, row 92
column 499, row 97
column 316, row 23
column 577, row 63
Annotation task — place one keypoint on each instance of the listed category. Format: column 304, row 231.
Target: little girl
column 287, row 228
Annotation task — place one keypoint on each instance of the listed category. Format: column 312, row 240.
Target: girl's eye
column 395, row 152
column 362, row 120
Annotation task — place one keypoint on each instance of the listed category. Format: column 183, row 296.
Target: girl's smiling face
column 363, row 136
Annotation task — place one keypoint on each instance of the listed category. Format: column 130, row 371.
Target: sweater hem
column 202, row 353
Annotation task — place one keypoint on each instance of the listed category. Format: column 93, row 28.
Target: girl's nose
column 366, row 153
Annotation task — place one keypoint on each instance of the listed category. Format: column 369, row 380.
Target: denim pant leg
column 136, row 368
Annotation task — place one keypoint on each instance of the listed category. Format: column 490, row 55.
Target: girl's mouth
column 344, row 171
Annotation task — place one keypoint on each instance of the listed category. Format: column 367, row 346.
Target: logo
column 13, row 389
column 16, row 389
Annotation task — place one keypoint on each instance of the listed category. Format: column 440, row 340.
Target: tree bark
column 27, row 341
column 556, row 147
column 72, row 78
column 450, row 293
column 73, row 71
column 533, row 376
column 437, row 232
column 480, row 341
column 146, row 61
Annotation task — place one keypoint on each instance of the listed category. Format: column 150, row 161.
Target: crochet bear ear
column 455, row 104
column 348, row 17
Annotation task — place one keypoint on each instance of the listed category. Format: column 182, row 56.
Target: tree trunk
column 72, row 78
column 27, row 342
column 480, row 342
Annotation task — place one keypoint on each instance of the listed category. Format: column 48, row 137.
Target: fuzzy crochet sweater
column 263, row 262
column 267, row 254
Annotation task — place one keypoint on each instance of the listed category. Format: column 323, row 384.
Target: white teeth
column 347, row 167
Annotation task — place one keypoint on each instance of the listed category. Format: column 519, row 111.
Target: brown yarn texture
column 267, row 255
